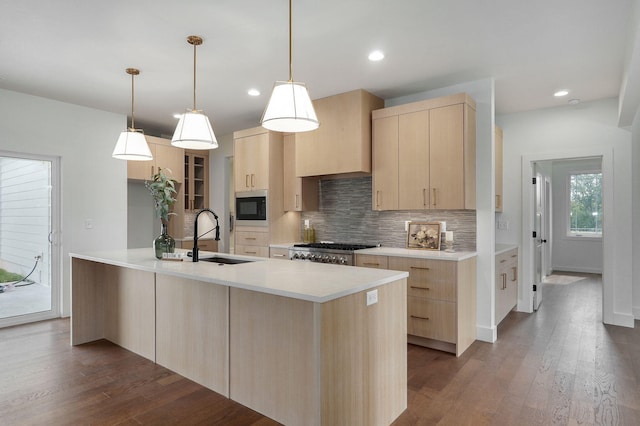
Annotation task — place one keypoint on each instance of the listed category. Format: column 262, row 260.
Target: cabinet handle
column 370, row 263
column 420, row 288
column 515, row 273
column 424, row 197
column 419, row 267
column 297, row 198
column 251, row 252
column 279, row 255
column 514, row 255
column 377, row 198
column 249, row 238
column 253, row 180
column 246, row 181
column 503, row 260
column 434, row 197
column 422, row 318
column 504, row 280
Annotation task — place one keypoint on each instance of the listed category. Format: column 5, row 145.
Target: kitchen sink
column 224, row 260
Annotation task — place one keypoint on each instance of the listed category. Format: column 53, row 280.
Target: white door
column 29, row 250
column 540, row 239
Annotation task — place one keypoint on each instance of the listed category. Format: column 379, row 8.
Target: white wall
column 635, row 144
column 575, row 129
column 93, row 184
column 576, row 254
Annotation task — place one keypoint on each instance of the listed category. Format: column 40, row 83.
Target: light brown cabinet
column 196, row 180
column 498, row 168
column 252, row 159
column 342, row 143
column 300, row 194
column 424, row 155
column 165, row 157
column 441, row 299
column 279, row 253
column 506, row 283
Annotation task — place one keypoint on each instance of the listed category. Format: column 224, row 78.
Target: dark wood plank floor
column 560, row 365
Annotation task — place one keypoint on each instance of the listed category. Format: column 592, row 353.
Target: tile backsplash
column 346, row 216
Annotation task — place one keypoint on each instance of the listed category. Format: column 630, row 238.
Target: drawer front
column 433, row 319
column 246, row 238
column 433, row 279
column 259, row 251
column 279, row 253
column 208, row 245
column 372, row 261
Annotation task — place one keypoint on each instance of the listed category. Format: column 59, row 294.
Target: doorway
column 530, row 263
column 29, row 205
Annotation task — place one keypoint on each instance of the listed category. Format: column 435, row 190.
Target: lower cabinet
column 252, row 241
column 506, row 283
column 279, row 253
column 441, row 299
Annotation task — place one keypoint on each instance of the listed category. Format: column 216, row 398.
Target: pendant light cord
column 194, row 76
column 290, row 48
column 133, row 120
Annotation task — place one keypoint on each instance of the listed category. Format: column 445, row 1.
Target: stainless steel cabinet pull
column 424, row 196
column 377, row 198
column 251, row 252
column 503, row 260
column 434, row 197
column 419, row 267
column 515, row 273
column 253, row 180
column 246, row 181
column 279, row 255
column 420, row 288
column 370, row 264
column 297, row 197
column 422, row 318
column 504, row 280
column 249, row 238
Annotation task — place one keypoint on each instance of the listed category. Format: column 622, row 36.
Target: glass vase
column 164, row 243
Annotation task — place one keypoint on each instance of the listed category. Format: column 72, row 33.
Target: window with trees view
column 585, row 210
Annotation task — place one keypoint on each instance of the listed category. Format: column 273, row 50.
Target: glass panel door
column 28, row 284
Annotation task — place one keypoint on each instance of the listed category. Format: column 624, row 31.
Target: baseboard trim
column 486, row 334
column 560, row 269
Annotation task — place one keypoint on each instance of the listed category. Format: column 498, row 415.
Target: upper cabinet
column 300, row 194
column 424, row 155
column 165, row 157
column 196, row 180
column 342, row 143
column 251, row 158
column 498, row 168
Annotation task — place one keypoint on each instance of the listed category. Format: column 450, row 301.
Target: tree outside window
column 585, row 210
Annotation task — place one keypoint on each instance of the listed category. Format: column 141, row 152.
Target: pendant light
column 290, row 108
column 194, row 129
column 132, row 144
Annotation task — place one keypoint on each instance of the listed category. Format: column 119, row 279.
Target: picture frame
column 423, row 235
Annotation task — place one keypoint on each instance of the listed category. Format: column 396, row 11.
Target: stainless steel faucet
column 194, row 252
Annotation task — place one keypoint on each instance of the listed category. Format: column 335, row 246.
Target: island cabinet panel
column 336, row 363
column 342, row 143
column 192, row 330
column 113, row 303
column 273, row 350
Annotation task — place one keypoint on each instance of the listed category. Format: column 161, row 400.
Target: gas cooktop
column 335, row 246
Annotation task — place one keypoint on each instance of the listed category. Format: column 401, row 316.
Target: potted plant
column 162, row 190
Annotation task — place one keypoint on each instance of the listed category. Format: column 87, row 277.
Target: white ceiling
column 77, row 50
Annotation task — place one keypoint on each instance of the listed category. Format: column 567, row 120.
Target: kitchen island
column 299, row 342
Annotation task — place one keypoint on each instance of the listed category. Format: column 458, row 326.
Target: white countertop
column 501, row 248
column 420, row 254
column 313, row 282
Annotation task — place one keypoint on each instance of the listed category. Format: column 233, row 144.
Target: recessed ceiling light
column 560, row 93
column 376, row 55
column 253, row 92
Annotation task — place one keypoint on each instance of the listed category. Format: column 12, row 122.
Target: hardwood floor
column 560, row 365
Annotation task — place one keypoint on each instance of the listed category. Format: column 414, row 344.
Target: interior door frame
column 525, row 293
column 55, row 240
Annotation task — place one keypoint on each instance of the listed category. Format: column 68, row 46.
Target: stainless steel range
column 336, row 253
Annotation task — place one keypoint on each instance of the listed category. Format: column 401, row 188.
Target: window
column 585, row 205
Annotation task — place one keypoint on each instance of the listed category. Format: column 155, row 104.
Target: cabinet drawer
column 208, row 245
column 259, row 251
column 252, row 238
column 434, row 279
column 433, row 319
column 279, row 253
column 372, row 261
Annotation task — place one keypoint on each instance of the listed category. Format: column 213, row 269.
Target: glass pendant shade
column 290, row 109
column 194, row 132
column 132, row 146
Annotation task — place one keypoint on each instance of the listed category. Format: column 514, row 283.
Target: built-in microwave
column 251, row 208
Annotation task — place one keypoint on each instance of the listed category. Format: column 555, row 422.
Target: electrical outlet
column 372, row 297
column 406, row 225
column 503, row 225
column 88, row 224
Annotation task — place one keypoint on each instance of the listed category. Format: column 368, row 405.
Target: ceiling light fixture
column 194, row 129
column 376, row 55
column 561, row 93
column 131, row 144
column 290, row 108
